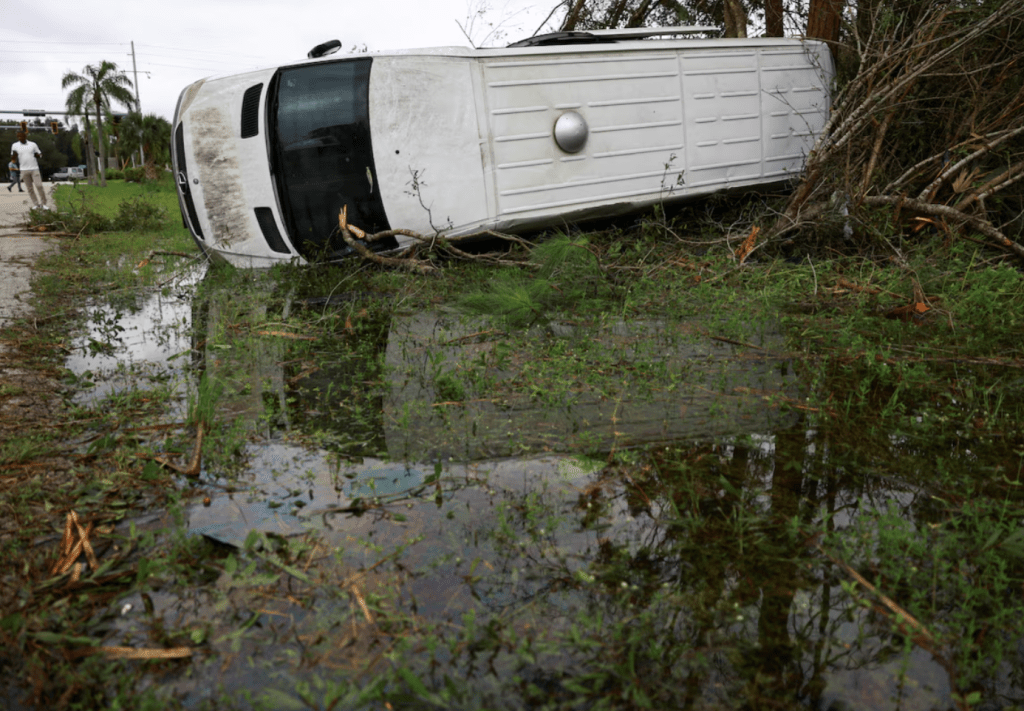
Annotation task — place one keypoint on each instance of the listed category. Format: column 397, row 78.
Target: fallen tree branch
column 354, row 237
column 951, row 213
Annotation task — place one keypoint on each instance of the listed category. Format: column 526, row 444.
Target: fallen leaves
column 74, row 543
column 747, row 247
column 145, row 653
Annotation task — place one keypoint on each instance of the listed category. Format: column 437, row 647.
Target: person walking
column 27, row 154
column 15, row 175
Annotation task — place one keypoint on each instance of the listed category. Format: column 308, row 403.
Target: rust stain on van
column 219, row 175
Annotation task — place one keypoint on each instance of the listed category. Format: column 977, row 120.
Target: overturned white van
column 554, row 129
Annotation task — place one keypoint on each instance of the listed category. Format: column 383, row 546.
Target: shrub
column 77, row 219
column 137, row 213
column 134, row 175
column 115, row 174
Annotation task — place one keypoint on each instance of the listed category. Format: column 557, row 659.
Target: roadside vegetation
column 875, row 520
column 759, row 452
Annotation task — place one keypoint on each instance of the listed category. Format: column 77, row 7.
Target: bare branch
column 952, row 213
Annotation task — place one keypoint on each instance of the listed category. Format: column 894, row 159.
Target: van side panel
column 631, row 103
column 794, row 105
column 423, row 118
column 723, row 116
column 665, row 122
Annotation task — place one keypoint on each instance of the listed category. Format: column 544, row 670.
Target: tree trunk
column 639, row 15
column 735, row 19
column 150, row 164
column 572, row 18
column 103, row 144
column 90, row 169
column 614, row 14
column 865, row 18
column 773, row 18
column 823, row 20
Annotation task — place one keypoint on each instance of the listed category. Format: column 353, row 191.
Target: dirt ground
column 30, row 398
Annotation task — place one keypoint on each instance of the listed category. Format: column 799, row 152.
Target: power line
column 202, row 69
column 203, row 51
column 201, row 60
column 182, row 66
column 47, row 51
column 157, row 54
column 7, row 41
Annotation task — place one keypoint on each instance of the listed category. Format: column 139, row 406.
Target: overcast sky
column 181, row 41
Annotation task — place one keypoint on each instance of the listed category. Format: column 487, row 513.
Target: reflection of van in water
column 559, row 127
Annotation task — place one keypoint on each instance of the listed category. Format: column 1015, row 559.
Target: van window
column 321, row 152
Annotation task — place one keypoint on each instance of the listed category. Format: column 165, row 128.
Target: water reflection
column 492, row 539
column 694, row 573
column 131, row 338
column 431, row 385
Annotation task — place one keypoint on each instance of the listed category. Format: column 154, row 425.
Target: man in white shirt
column 27, row 154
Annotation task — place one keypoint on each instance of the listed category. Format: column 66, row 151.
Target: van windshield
column 321, row 153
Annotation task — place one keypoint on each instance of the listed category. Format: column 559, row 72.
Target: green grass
column 106, row 201
column 665, row 573
column 118, row 228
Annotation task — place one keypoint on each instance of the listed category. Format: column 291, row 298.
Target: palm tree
column 94, row 88
column 152, row 133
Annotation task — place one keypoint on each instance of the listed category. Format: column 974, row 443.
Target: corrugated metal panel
column 723, row 116
column 795, row 109
column 719, row 116
column 632, row 105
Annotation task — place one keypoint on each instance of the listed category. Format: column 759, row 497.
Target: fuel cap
column 571, row 132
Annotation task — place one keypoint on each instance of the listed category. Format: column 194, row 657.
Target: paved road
column 14, row 205
column 18, row 251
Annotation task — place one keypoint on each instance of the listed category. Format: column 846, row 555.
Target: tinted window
column 324, row 158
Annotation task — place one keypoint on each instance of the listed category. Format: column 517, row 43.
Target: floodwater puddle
column 431, row 507
column 130, row 340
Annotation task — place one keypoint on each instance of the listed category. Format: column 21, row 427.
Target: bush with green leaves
column 135, row 175
column 568, row 273
column 138, row 213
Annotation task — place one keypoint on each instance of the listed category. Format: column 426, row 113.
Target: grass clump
column 121, row 206
column 567, row 273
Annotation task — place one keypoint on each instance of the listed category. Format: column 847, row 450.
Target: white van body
column 459, row 140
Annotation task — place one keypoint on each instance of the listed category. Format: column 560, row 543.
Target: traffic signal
column 54, row 127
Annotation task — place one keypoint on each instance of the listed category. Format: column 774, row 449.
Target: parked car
column 557, row 128
column 69, row 173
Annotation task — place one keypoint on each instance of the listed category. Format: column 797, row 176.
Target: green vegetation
column 862, row 531
column 94, row 89
column 684, row 463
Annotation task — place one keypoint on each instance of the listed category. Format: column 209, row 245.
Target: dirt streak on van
column 554, row 129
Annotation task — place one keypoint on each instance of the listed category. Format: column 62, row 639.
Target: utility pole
column 138, row 102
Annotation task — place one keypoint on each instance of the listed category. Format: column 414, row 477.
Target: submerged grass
column 661, row 571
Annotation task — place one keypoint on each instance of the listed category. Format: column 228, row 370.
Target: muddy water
column 445, row 500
